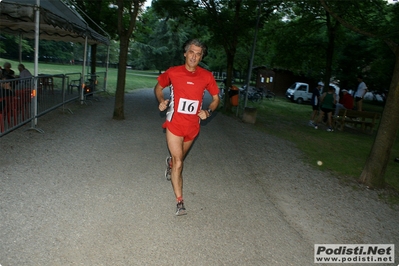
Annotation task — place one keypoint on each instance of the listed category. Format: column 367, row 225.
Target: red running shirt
column 186, row 91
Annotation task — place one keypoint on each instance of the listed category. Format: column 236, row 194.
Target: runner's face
column 193, row 57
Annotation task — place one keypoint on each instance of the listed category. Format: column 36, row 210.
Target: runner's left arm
column 204, row 114
column 215, row 102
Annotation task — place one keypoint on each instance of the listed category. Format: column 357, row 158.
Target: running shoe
column 330, row 129
column 180, row 210
column 315, row 127
column 168, row 170
column 168, row 162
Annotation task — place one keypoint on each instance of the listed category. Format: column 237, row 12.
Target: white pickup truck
column 300, row 92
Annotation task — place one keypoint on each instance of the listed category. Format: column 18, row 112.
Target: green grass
column 135, row 79
column 343, row 153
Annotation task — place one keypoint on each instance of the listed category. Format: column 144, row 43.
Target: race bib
column 187, row 106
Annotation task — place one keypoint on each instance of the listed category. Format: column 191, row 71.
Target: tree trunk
column 120, row 84
column 330, row 50
column 124, row 39
column 376, row 164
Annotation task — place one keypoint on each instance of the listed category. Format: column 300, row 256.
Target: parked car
column 301, row 92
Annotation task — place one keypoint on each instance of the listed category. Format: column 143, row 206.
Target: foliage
column 55, row 51
column 9, row 46
column 303, row 33
column 101, row 13
column 78, row 52
column 366, row 56
column 369, row 56
column 292, row 36
column 157, row 42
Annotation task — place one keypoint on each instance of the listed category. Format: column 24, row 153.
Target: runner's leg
column 178, row 150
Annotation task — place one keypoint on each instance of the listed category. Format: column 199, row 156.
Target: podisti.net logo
column 354, row 253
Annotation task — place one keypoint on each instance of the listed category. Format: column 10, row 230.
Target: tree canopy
column 292, row 36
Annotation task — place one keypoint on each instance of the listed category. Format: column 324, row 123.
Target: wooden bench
column 355, row 118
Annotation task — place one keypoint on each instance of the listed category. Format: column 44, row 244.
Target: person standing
column 327, row 100
column 187, row 84
column 360, row 92
column 315, row 102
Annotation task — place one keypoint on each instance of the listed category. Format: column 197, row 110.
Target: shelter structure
column 57, row 21
column 49, row 20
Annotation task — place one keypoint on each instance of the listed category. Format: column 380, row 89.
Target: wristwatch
column 209, row 110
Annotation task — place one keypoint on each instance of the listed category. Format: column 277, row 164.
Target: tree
column 302, row 30
column 100, row 14
column 52, row 51
column 158, row 42
column 310, row 35
column 9, row 46
column 380, row 18
column 127, row 13
column 119, row 21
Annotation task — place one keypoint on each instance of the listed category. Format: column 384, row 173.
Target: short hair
column 359, row 76
column 21, row 66
column 198, row 43
column 7, row 64
column 331, row 88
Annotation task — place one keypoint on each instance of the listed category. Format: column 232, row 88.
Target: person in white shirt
column 24, row 75
column 360, row 92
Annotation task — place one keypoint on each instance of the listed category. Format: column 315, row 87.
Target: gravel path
column 91, row 191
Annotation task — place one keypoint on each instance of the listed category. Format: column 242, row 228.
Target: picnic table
column 366, row 120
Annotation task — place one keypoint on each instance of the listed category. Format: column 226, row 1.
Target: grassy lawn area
column 344, row 153
column 135, row 79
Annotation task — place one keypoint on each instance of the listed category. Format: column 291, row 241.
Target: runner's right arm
column 163, row 104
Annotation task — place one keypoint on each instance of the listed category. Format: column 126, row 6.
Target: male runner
column 187, row 83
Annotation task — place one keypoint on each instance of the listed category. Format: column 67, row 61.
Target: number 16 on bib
column 187, row 106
